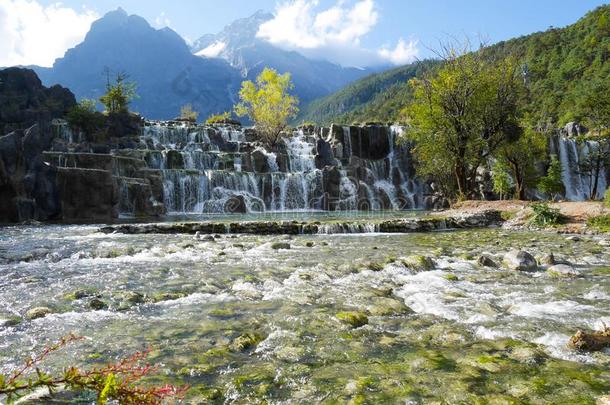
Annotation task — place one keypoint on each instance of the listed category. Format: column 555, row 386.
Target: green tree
column 118, row 94
column 594, row 106
column 268, row 104
column 462, row 113
column 502, row 184
column 552, row 184
column 188, row 114
column 519, row 157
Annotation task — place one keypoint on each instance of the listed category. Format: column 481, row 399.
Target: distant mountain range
column 238, row 44
column 169, row 74
column 558, row 64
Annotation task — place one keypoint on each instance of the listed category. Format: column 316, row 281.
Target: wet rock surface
column 519, row 260
column 424, row 224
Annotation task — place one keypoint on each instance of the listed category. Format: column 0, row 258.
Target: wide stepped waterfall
column 222, row 169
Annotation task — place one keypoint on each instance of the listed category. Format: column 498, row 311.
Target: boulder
column 590, row 341
column 236, row 204
column 486, row 261
column 519, row 260
column 562, row 270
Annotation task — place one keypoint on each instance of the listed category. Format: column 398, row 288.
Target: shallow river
column 242, row 322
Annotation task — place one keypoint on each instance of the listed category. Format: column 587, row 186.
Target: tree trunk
column 596, row 173
column 460, row 177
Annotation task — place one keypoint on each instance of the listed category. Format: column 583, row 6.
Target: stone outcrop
column 424, row 224
column 27, row 185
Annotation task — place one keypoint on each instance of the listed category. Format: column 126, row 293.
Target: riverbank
column 517, row 214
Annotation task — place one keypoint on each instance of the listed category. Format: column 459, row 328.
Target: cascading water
column 215, row 169
column 578, row 183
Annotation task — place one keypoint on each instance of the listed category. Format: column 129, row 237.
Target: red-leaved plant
column 116, row 381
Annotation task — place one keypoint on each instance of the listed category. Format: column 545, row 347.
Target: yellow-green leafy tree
column 460, row 115
column 268, row 103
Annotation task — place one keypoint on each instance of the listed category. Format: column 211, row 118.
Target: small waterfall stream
column 573, row 154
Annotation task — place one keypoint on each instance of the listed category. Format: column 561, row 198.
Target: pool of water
column 311, row 216
column 456, row 333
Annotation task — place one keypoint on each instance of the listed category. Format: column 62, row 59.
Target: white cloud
column 333, row 34
column 33, row 34
column 403, row 53
column 213, row 50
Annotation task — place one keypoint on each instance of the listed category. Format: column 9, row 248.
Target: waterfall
column 215, row 169
column 572, row 154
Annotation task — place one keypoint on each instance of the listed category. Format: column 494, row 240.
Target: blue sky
column 419, row 23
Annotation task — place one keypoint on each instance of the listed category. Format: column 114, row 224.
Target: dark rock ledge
column 423, row 224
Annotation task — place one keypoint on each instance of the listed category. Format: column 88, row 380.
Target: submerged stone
column 79, row 294
column 245, row 342
column 486, row 261
column 38, row 312
column 548, row 260
column 384, row 306
column 167, row 296
column 562, row 271
column 418, row 263
column 97, row 304
column 280, row 245
column 9, row 321
column 134, row 297
column 353, row 318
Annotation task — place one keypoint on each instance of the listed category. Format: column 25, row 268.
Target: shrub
column 544, row 215
column 187, row 113
column 601, row 223
column 216, row 118
column 112, row 382
column 85, row 117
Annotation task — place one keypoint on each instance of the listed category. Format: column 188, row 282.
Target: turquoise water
column 454, row 333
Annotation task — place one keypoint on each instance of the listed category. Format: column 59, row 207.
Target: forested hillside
column 559, row 66
column 377, row 97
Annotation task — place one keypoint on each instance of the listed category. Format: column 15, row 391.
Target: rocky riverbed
column 419, row 318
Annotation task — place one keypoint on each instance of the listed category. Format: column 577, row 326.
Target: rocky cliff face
column 28, row 185
column 179, row 167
